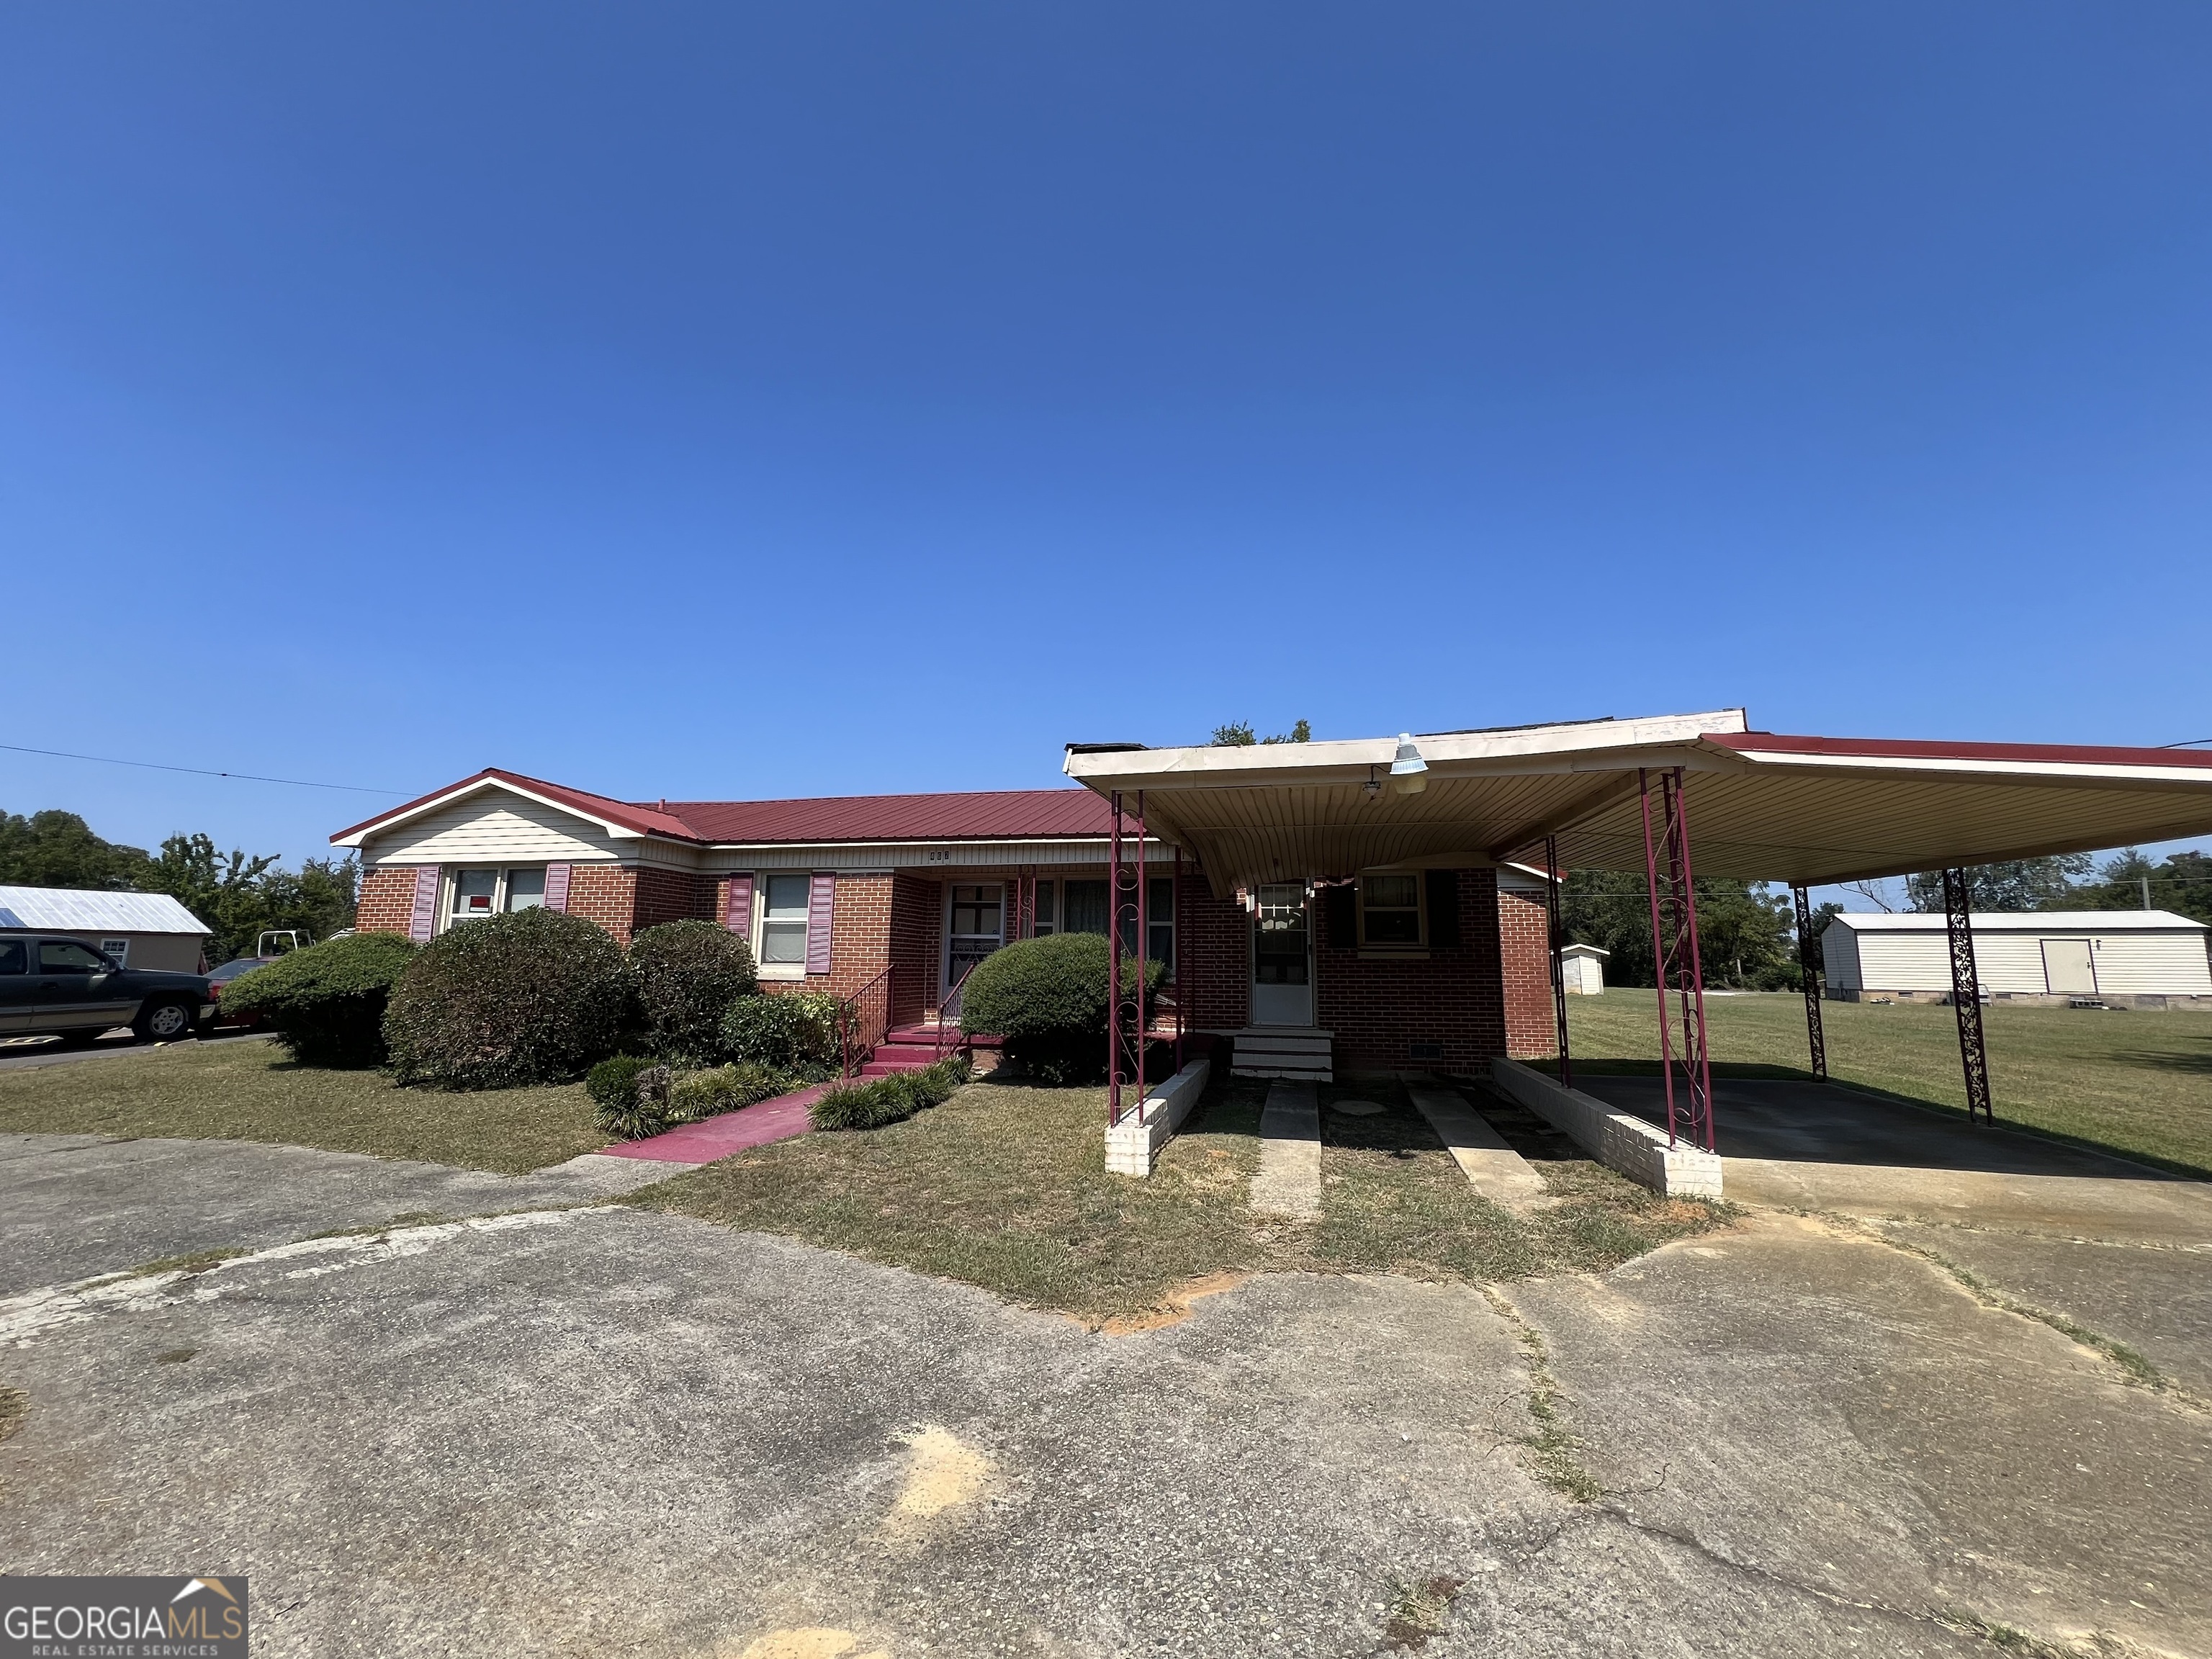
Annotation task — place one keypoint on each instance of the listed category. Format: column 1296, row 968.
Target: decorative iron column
column 1677, row 969
column 1808, row 965
column 1125, row 997
column 1182, row 965
column 1966, row 995
column 1558, row 965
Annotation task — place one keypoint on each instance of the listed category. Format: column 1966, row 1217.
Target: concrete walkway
column 1289, row 1182
column 1491, row 1168
column 783, row 1118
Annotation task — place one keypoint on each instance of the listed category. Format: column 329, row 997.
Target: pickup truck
column 64, row 987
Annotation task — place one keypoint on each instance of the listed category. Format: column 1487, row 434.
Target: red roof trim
column 2059, row 754
column 978, row 815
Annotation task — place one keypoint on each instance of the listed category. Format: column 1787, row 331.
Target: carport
column 1668, row 797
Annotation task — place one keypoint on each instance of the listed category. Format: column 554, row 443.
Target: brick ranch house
column 1414, row 968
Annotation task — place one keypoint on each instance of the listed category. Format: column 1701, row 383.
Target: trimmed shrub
column 326, row 1000
column 718, row 1089
column 782, row 1031
column 1046, row 998
column 887, row 1099
column 532, row 996
column 613, row 1082
column 687, row 975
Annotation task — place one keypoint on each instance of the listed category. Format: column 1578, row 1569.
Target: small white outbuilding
column 138, row 930
column 2122, row 958
column 1582, row 970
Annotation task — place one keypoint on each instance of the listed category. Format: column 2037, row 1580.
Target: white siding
column 2010, row 962
column 2170, row 964
column 492, row 828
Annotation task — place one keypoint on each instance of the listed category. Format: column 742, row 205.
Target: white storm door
column 1282, row 957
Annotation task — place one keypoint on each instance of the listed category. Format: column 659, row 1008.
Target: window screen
column 783, row 920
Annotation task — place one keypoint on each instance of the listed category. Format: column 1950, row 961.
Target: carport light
column 1408, row 771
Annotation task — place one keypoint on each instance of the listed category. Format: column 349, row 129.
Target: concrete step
column 892, row 1068
column 924, row 1052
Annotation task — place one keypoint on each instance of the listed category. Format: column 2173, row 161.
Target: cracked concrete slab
column 75, row 1206
column 630, row 1433
column 1827, row 1411
column 2156, row 1300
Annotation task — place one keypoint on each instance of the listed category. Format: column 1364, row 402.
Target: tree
column 2043, row 884
column 1239, row 735
column 1745, row 934
column 2182, row 882
column 59, row 849
column 241, row 897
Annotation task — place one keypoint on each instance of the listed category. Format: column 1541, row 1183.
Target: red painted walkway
column 781, row 1118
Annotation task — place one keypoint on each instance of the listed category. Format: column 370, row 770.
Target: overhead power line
column 200, row 771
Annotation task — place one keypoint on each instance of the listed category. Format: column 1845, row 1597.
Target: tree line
column 237, row 895
column 1747, row 934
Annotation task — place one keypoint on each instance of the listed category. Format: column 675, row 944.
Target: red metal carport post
column 1675, row 962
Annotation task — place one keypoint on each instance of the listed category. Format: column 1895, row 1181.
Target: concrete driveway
column 592, row 1430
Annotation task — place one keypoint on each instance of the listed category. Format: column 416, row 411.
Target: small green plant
column 1047, row 997
column 530, row 996
column 326, row 1001
column 783, row 1031
column 718, row 1089
column 648, row 1108
column 687, row 975
column 613, row 1082
column 887, row 1099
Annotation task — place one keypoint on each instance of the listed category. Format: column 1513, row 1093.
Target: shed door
column 2069, row 967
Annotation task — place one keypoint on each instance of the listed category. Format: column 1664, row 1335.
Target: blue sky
column 727, row 400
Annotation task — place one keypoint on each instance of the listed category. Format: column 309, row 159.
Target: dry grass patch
column 249, row 1091
column 1005, row 1187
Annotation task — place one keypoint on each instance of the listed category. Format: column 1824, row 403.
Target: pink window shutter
column 424, row 919
column 556, row 886
column 737, row 909
column 821, row 897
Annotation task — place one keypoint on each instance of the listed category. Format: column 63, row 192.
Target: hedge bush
column 686, row 975
column 714, row 1090
column 532, row 996
column 782, row 1031
column 1046, row 998
column 887, row 1099
column 326, row 1000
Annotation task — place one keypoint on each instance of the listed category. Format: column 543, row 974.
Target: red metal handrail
column 948, row 1015
column 864, row 1020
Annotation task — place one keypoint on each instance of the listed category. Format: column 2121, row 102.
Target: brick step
column 892, row 1068
column 896, row 1049
column 925, row 1036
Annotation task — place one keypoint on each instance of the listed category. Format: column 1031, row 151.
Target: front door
column 1282, row 961
column 977, row 928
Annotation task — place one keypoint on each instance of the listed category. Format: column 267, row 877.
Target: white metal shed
column 139, row 930
column 2125, row 959
column 1582, row 968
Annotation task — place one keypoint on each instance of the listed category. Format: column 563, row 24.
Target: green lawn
column 249, row 1091
column 2136, row 1082
column 1004, row 1186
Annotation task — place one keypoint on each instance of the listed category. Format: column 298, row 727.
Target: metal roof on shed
column 70, row 909
column 2022, row 922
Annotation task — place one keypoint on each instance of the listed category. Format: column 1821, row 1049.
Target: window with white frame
column 485, row 893
column 783, row 922
column 1390, row 909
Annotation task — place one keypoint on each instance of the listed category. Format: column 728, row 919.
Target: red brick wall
column 387, row 899
column 1524, row 935
column 917, row 936
column 607, row 894
column 1213, row 957
column 1378, row 1008
column 671, row 896
column 859, row 934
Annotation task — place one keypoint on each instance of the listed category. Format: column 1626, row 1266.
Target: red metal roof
column 980, row 815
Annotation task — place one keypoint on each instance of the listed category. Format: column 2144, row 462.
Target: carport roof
column 1761, row 805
